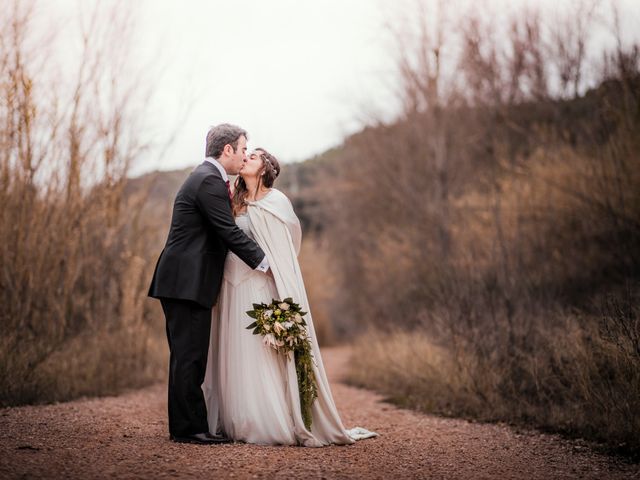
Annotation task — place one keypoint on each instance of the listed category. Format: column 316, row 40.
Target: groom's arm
column 213, row 200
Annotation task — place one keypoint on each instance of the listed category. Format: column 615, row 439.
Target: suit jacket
column 202, row 231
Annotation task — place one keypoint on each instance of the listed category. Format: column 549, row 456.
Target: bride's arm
column 280, row 207
column 278, row 238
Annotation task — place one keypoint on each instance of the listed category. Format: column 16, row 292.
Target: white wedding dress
column 251, row 391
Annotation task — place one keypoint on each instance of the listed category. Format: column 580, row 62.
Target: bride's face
column 252, row 166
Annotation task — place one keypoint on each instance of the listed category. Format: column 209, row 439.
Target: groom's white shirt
column 264, row 264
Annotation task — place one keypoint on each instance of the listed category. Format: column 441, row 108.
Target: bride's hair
column 266, row 176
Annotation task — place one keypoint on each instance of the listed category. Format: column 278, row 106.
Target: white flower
column 269, row 340
column 267, row 327
column 284, row 306
column 278, row 328
column 298, row 318
column 287, row 324
column 268, row 313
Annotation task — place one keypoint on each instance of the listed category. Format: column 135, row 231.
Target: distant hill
column 306, row 183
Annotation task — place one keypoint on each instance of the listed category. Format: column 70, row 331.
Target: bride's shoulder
column 275, row 198
column 277, row 201
column 278, row 195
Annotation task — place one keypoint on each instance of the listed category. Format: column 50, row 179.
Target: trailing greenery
column 283, row 328
column 307, row 384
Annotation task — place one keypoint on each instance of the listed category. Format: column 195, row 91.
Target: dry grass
column 73, row 259
column 576, row 377
column 534, row 319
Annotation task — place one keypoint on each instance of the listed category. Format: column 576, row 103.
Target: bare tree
column 72, row 258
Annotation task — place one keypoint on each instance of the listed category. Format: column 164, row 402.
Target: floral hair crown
column 266, row 159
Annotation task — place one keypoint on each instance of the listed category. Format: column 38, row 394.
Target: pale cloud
column 298, row 75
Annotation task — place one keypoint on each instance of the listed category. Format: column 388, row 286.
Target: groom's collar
column 219, row 166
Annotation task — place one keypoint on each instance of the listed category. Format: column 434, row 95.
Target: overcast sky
column 295, row 74
column 298, row 75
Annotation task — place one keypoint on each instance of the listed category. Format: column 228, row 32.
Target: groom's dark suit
column 187, row 280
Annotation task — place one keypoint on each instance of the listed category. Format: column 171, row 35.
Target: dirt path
column 126, row 437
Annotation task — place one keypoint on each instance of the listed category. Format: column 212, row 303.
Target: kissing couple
column 226, row 251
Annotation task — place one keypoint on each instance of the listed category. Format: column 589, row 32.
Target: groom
column 188, row 275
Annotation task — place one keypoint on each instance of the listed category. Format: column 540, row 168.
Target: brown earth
column 126, row 437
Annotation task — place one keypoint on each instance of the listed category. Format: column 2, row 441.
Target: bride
column 251, row 391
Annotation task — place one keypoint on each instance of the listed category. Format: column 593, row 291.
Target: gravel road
column 126, row 437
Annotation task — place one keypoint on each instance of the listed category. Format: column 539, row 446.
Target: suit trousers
column 188, row 330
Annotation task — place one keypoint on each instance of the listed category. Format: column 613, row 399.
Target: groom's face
column 238, row 157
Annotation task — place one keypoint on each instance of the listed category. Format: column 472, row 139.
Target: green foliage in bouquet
column 282, row 327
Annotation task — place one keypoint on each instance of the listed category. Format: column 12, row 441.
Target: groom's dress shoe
column 201, row 439
column 218, row 438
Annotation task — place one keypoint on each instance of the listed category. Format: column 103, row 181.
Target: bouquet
column 282, row 327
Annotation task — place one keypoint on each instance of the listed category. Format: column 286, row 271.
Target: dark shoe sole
column 212, row 441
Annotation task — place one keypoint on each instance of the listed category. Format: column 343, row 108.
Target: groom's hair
column 221, row 135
